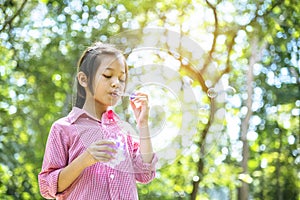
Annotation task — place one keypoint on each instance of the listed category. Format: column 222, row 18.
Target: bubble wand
column 131, row 96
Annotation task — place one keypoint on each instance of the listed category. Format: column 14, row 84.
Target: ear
column 82, row 79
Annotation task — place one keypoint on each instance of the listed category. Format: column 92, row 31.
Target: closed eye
column 106, row 76
column 121, row 79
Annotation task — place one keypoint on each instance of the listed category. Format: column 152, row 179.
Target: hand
column 140, row 108
column 101, row 151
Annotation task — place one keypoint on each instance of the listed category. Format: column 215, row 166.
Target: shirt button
column 112, row 176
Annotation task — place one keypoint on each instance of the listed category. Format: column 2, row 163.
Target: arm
column 71, row 172
column 144, row 171
column 55, row 158
column 56, row 174
column 144, row 163
column 98, row 151
column 141, row 114
column 145, row 144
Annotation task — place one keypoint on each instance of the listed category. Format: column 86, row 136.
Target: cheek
column 123, row 86
column 100, row 82
column 100, row 88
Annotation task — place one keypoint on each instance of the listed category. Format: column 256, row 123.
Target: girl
column 88, row 155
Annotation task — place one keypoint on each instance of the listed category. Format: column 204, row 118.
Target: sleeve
column 144, row 172
column 55, row 159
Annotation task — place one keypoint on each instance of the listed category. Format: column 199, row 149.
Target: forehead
column 113, row 63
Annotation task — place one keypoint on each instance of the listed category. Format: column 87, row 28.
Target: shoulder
column 68, row 120
column 63, row 122
column 60, row 134
column 61, row 127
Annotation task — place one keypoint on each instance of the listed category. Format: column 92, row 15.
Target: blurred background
column 251, row 151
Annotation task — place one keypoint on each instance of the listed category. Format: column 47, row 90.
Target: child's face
column 110, row 80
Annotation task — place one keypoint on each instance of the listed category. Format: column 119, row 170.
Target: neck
column 94, row 108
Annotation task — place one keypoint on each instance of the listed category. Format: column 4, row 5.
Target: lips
column 115, row 93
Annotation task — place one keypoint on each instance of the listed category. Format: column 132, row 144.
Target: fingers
column 139, row 99
column 105, row 142
column 103, row 150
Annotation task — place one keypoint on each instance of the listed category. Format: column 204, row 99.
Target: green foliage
column 40, row 44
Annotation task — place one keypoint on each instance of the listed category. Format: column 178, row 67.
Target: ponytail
column 80, row 96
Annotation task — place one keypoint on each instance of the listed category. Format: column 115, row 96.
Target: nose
column 115, row 83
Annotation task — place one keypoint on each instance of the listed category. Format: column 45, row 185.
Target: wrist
column 142, row 122
column 142, row 126
column 144, row 132
column 88, row 159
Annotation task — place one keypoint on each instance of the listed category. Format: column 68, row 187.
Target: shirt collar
column 108, row 117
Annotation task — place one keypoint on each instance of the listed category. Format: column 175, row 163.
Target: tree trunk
column 243, row 191
column 278, row 168
column 201, row 145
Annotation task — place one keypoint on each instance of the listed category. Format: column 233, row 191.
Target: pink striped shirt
column 70, row 136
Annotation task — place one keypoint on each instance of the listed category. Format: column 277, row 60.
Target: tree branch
column 216, row 32
column 10, row 20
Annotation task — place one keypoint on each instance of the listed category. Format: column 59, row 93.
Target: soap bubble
column 174, row 97
column 212, row 93
column 230, row 90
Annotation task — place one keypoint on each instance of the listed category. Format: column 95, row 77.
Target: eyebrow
column 112, row 69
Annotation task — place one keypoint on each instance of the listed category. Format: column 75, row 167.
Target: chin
column 112, row 103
